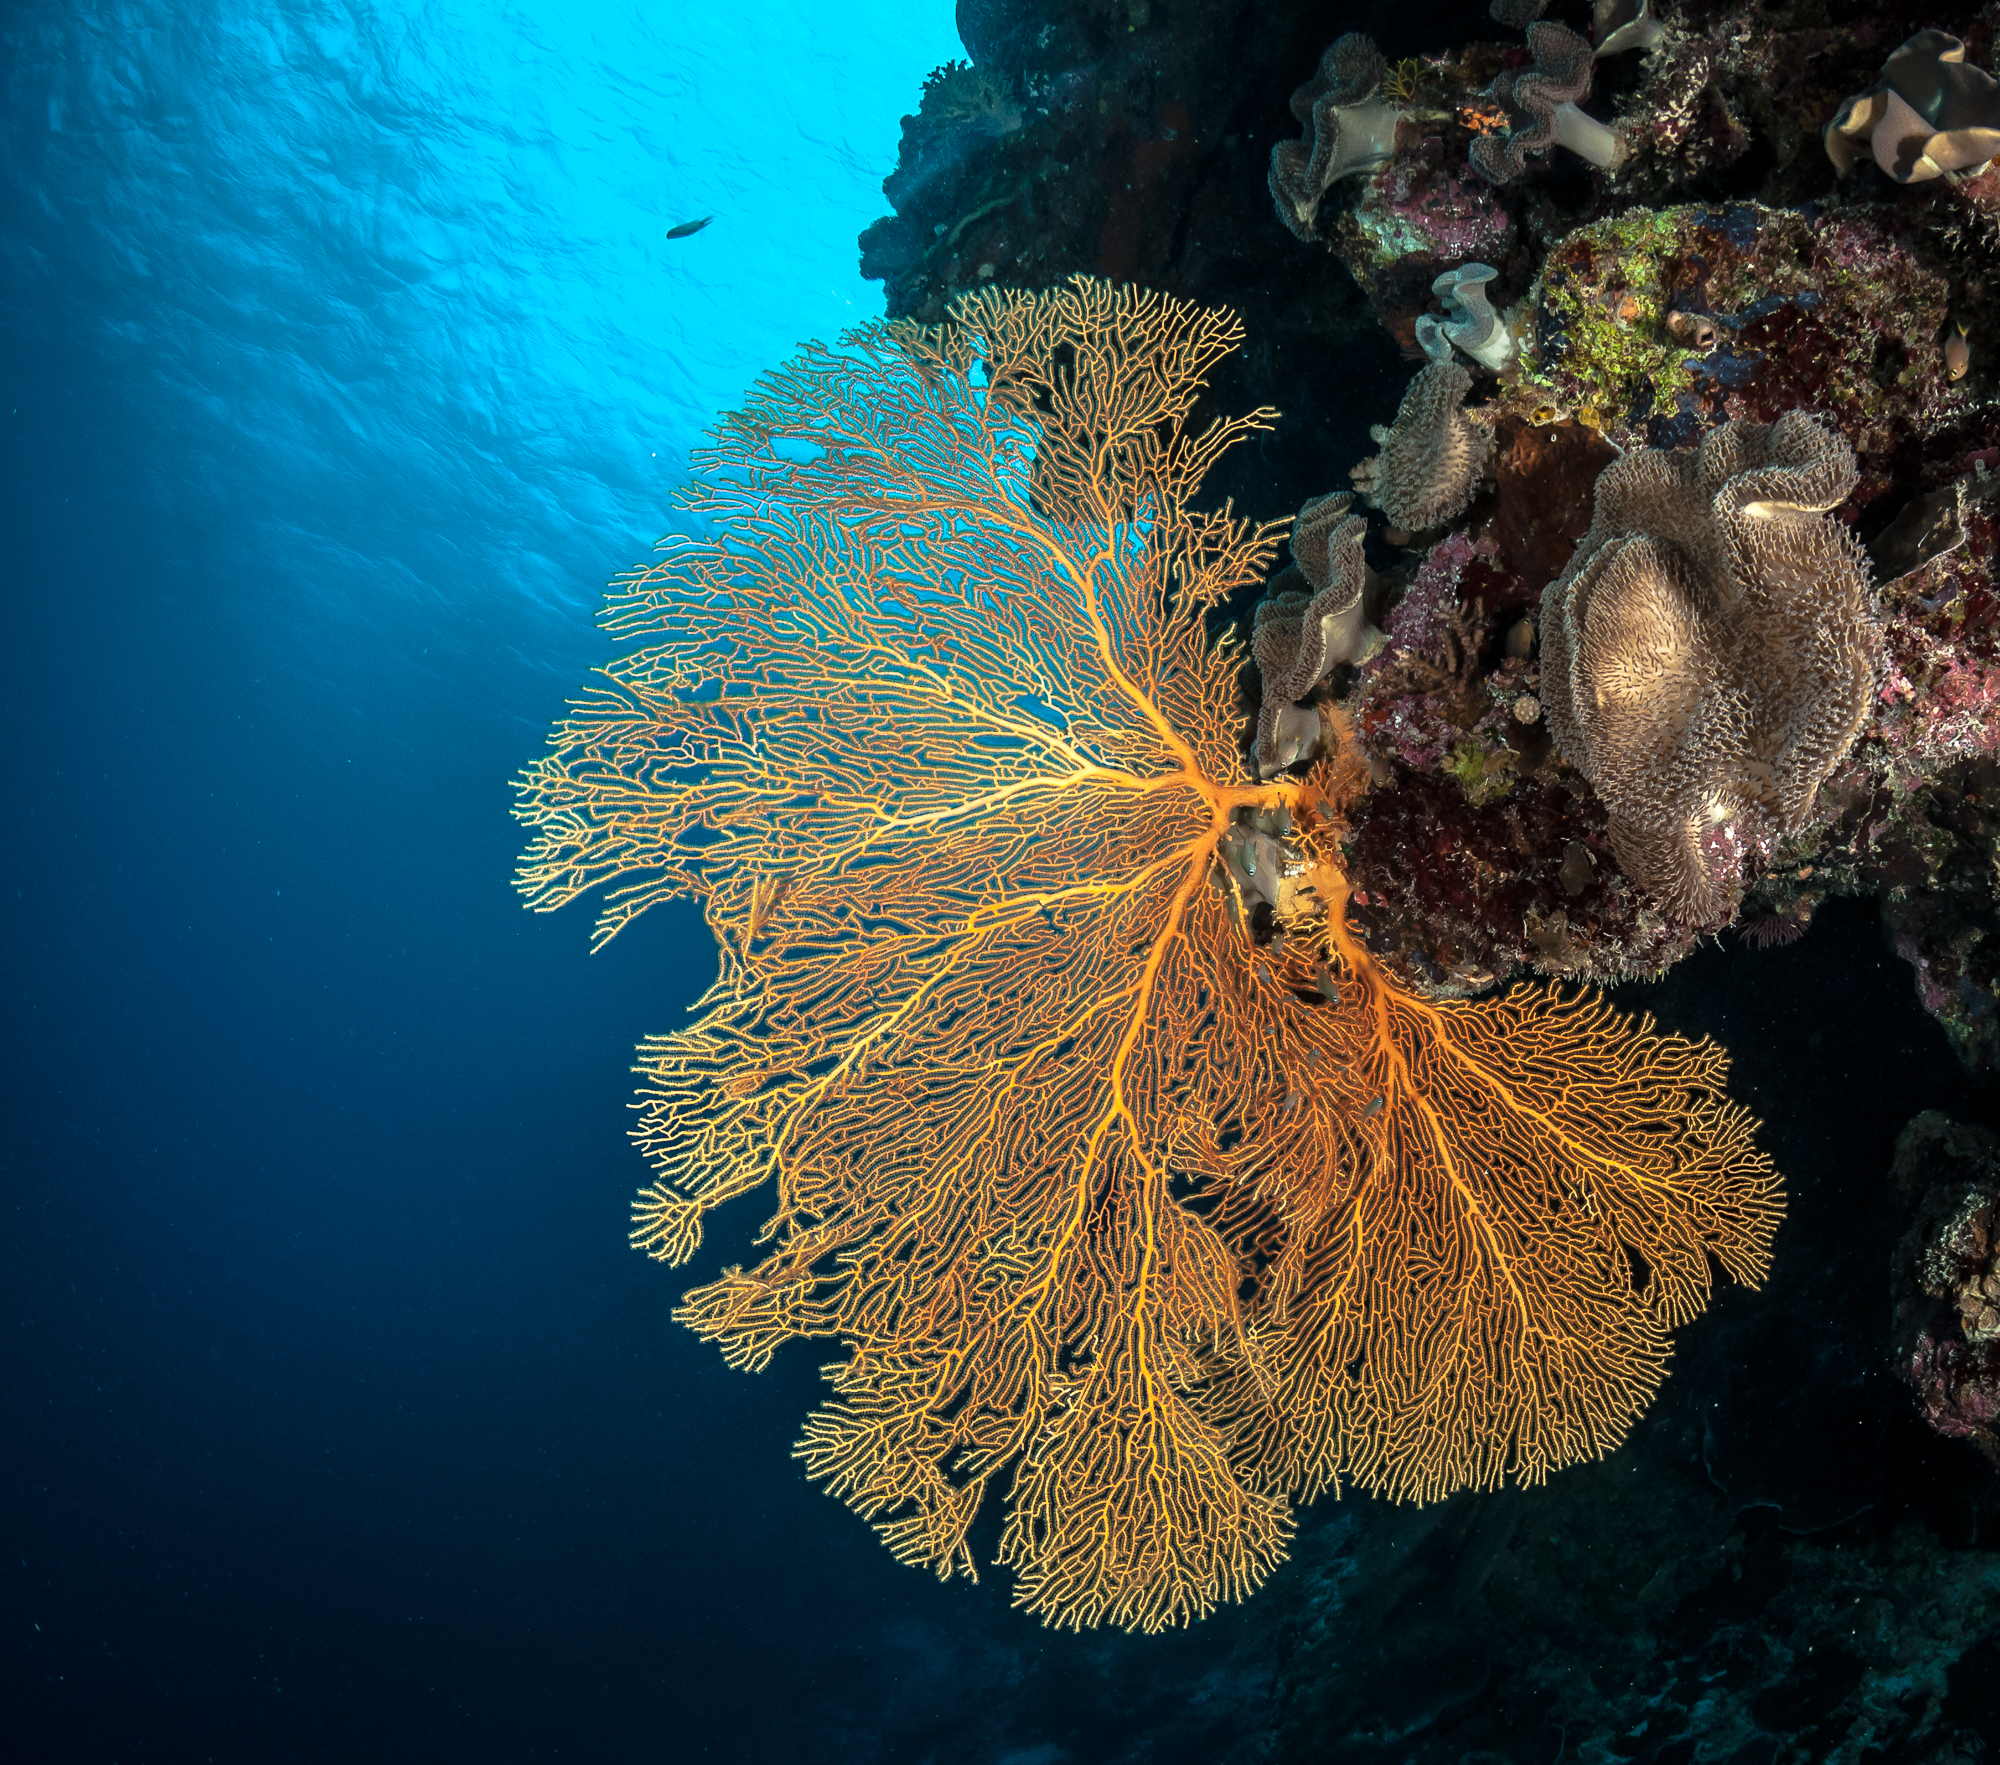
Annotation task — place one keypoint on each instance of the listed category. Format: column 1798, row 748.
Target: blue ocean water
column 347, row 357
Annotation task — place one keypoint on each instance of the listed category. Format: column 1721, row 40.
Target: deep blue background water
column 345, row 358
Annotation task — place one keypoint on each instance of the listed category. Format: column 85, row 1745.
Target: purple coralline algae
column 1420, row 215
column 1651, row 329
column 1476, row 855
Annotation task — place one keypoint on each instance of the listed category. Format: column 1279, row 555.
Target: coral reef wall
column 1142, row 155
column 1670, row 242
column 1715, row 267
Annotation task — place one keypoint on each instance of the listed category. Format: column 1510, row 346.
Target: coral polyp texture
column 1433, row 456
column 1301, row 634
column 1131, row 1186
column 1657, row 325
column 1712, row 651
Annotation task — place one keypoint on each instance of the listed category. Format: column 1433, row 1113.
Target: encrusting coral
column 1658, row 324
column 1350, row 127
column 1433, row 455
column 1712, row 651
column 1131, row 1184
column 1300, row 636
column 1541, row 104
column 1929, row 116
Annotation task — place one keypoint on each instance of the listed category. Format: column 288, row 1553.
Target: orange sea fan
column 1162, row 1225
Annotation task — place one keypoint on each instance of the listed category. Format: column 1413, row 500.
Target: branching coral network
column 1137, row 1195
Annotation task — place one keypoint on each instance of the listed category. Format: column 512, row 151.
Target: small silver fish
column 689, row 227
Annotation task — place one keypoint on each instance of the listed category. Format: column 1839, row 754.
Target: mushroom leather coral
column 1298, row 636
column 1929, row 116
column 1159, row 1226
column 1542, row 103
column 1711, row 651
column 1433, row 456
column 1350, row 127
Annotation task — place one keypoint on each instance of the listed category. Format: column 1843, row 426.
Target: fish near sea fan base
column 1161, row 1228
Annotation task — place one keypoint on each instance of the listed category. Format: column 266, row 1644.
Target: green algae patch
column 1484, row 774
column 1598, row 348
column 1836, row 311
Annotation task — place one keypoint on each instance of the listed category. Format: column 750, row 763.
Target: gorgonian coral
column 1129, row 1183
column 1712, row 650
column 961, row 96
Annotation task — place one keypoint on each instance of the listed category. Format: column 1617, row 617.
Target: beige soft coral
column 1711, row 651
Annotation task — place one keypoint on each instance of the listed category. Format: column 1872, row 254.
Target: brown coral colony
column 1350, row 127
column 1710, row 653
column 1433, row 455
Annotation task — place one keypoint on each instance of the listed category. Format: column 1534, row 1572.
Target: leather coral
column 1299, row 637
column 1542, row 107
column 1930, row 115
column 1711, row 651
column 1350, row 127
column 1469, row 322
column 1433, row 456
